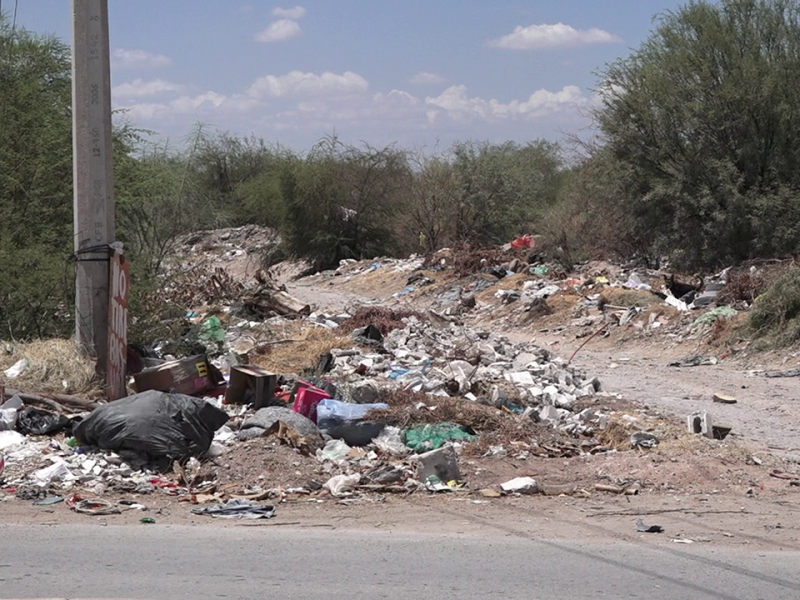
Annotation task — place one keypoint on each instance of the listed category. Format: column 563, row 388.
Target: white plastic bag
column 8, row 413
column 17, row 369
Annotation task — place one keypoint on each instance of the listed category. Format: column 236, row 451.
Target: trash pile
column 393, row 408
column 453, row 361
column 188, row 413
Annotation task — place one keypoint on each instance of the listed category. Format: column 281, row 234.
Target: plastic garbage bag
column 212, row 330
column 344, row 421
column 430, row 437
column 390, row 441
column 34, row 421
column 56, row 472
column 334, row 450
column 17, row 369
column 10, row 438
column 154, row 426
column 342, row 485
column 8, row 413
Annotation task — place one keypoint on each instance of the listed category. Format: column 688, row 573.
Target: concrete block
column 700, row 423
column 442, row 462
column 520, row 485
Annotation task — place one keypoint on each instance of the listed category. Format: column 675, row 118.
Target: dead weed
column 307, row 345
column 55, row 366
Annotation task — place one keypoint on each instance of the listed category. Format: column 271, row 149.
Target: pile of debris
column 453, row 361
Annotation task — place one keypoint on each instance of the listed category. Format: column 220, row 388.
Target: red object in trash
column 306, row 401
column 525, row 241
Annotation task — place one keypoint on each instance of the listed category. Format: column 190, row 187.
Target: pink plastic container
column 306, row 401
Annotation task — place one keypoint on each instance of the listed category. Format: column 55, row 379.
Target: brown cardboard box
column 192, row 376
column 251, row 384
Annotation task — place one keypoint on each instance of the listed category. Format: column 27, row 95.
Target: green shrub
column 776, row 313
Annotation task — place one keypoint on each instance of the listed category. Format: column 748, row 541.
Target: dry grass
column 382, row 282
column 468, row 260
column 304, row 354
column 618, row 431
column 744, row 286
column 495, row 427
column 56, row 366
column 510, row 282
column 727, row 331
column 404, row 413
column 617, row 296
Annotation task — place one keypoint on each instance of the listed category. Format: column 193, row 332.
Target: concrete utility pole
column 93, row 173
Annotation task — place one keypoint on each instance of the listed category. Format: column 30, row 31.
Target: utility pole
column 93, row 174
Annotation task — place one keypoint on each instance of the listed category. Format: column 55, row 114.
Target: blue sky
column 418, row 73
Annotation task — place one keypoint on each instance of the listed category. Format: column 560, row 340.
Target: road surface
column 167, row 562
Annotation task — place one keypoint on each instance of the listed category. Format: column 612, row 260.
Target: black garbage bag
column 155, row 426
column 34, row 421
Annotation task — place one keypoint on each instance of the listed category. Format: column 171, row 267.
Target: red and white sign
column 118, row 327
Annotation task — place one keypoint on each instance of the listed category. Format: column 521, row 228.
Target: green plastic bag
column 540, row 270
column 212, row 331
column 430, row 437
column 723, row 312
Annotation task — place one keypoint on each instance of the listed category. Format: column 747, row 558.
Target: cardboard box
column 251, row 384
column 191, row 376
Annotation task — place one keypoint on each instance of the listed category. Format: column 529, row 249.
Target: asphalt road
column 168, row 562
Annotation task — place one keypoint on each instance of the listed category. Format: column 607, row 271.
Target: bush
column 777, row 311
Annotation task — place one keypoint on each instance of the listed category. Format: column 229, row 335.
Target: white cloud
column 298, row 12
column 298, row 108
column 425, row 78
column 138, row 59
column 455, row 102
column 536, row 37
column 279, row 31
column 297, row 83
column 139, row 88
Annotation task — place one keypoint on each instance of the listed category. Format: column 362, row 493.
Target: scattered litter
column 695, row 361
column 642, row 439
column 724, row 399
column 93, row 506
column 640, row 526
column 48, row 500
column 786, row 373
column 342, row 485
column 237, row 509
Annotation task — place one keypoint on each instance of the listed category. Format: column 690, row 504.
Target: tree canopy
column 702, row 119
column 35, row 183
